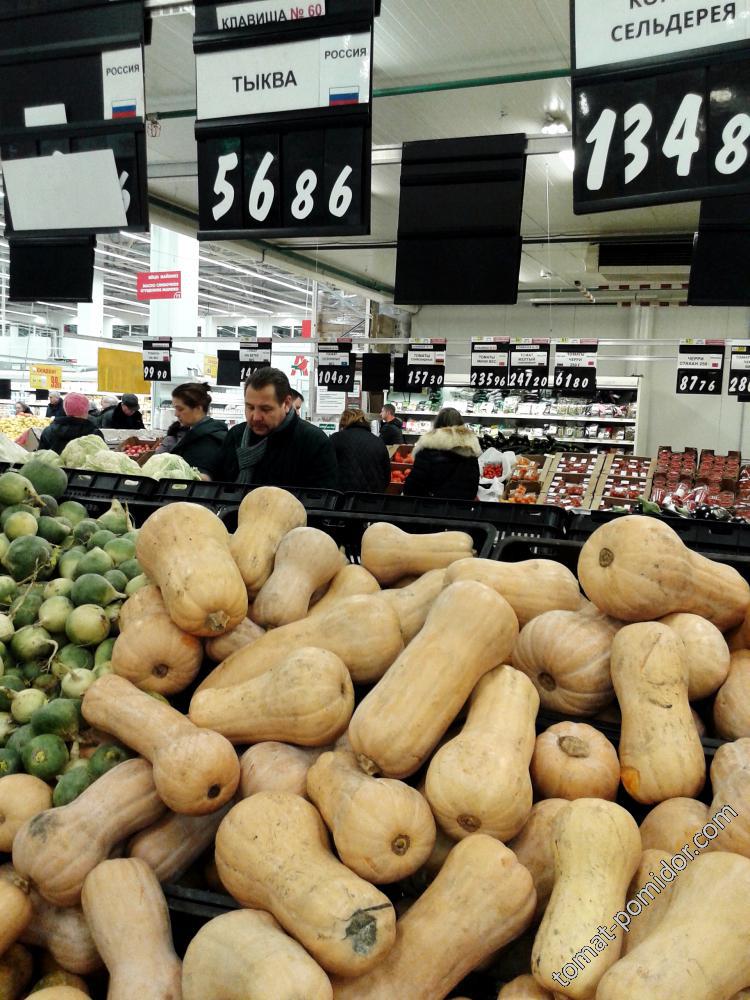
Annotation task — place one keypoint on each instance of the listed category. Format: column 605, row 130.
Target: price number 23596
column 263, row 193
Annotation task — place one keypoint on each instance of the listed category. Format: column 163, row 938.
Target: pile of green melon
column 63, row 578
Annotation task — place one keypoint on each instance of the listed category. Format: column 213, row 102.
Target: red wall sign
column 159, row 285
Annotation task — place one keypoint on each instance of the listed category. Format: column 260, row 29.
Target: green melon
column 54, row 529
column 72, row 511
column 29, row 556
column 46, row 478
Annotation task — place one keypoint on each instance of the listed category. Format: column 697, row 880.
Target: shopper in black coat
column 364, row 465
column 194, row 436
column 126, row 416
column 445, row 461
column 55, row 406
column 75, row 423
column 274, row 447
column 391, row 427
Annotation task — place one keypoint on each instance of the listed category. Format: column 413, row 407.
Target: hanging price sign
column 157, row 360
column 254, row 355
column 739, row 369
column 45, row 377
column 489, row 363
column 529, row 364
column 336, row 367
column 425, row 365
column 700, row 367
column 575, row 367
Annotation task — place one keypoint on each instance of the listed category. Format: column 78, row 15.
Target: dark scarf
column 249, row 455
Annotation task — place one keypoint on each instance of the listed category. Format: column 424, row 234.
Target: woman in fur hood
column 445, row 460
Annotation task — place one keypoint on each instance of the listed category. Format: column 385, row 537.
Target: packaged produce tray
column 82, row 484
column 707, row 537
column 348, row 527
column 219, row 495
column 539, row 522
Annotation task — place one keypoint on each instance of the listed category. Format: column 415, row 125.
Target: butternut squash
column 390, row 553
column 597, row 849
column 307, row 699
column 60, row 993
column 412, row 603
column 524, row 988
column 652, row 896
column 64, row 933
column 16, row 910
column 245, row 955
column 21, row 797
column 566, row 656
column 350, row 580
column 533, row 847
column 439, row 940
column 706, row 653
column 174, row 842
column 266, row 514
column 16, row 966
column 730, row 783
column 661, row 755
column 469, row 630
column 57, row 848
column 672, row 823
column 184, row 549
column 383, row 829
column 195, row 770
column 574, row 761
column 272, row 853
column 479, row 781
column 732, row 702
column 305, row 560
column 701, row 946
column 739, row 637
column 129, row 921
column 276, row 767
column 221, row 647
column 531, row 586
column 362, row 630
column 151, row 651
column 637, row 569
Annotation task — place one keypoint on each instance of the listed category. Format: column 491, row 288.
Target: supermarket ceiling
column 429, row 55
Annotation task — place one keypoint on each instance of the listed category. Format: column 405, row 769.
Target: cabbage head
column 76, row 453
column 113, row 461
column 45, row 455
column 168, row 467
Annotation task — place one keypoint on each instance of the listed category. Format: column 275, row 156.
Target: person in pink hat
column 75, row 424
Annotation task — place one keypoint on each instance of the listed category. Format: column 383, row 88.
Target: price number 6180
column 263, row 193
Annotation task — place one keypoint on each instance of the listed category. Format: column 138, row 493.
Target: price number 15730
column 263, row 192
column 420, row 376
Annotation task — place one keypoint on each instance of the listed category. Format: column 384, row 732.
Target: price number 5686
column 263, row 193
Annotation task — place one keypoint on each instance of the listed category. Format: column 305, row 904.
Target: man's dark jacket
column 391, row 431
column 114, row 417
column 55, row 410
column 299, row 455
column 60, row 432
column 364, row 466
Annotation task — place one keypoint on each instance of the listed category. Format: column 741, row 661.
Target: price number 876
column 692, row 383
column 263, row 193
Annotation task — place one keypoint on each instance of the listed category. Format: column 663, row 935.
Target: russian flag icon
column 124, row 109
column 340, row 96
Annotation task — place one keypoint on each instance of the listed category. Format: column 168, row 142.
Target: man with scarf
column 275, row 447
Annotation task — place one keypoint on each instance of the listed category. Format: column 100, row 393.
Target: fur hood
column 461, row 439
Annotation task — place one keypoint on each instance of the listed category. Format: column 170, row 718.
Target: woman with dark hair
column 195, row 436
column 22, row 408
column 364, row 466
column 445, row 460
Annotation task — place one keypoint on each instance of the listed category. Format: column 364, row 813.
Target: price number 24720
column 263, row 194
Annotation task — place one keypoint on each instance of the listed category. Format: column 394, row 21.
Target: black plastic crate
column 220, row 495
column 82, row 484
column 348, row 527
column 508, row 518
column 700, row 536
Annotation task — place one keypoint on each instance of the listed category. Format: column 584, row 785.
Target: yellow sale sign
column 45, row 377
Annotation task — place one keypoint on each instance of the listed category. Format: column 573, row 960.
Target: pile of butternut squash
column 371, row 734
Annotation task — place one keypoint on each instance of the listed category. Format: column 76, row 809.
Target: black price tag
column 157, row 360
column 700, row 368
column 254, row 355
column 529, row 365
column 575, row 368
column 336, row 367
column 376, row 372
column 662, row 137
column 228, row 368
column 489, row 364
column 739, row 370
column 425, row 366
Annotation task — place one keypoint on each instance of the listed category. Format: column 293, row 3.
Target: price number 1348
column 263, row 193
